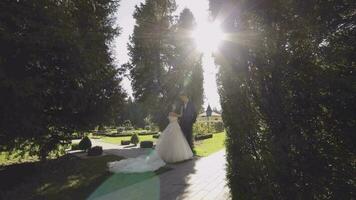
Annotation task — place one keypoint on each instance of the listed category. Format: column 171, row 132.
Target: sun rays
column 208, row 36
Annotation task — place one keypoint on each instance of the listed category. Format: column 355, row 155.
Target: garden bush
column 135, row 139
column 125, row 142
column 146, row 144
column 95, row 151
column 156, row 136
column 120, row 129
column 148, row 133
column 129, row 128
column 203, row 136
column 85, row 144
column 218, row 127
column 204, row 128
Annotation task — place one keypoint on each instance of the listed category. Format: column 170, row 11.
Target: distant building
column 215, row 117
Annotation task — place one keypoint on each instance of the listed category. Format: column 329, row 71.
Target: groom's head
column 184, row 97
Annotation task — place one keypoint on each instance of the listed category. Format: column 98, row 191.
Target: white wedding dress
column 171, row 147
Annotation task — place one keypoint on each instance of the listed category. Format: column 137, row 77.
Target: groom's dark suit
column 188, row 118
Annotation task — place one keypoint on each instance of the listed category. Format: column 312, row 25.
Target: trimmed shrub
column 129, row 128
column 120, row 129
column 85, row 143
column 101, row 130
column 156, row 135
column 146, row 144
column 125, row 142
column 134, row 139
column 148, row 133
column 213, row 127
column 203, row 136
column 95, row 151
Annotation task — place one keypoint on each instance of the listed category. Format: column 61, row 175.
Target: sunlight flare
column 208, row 36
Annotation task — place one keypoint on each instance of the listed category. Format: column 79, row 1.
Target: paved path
column 200, row 178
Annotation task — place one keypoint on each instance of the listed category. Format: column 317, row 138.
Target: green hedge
column 95, row 151
column 204, row 128
column 125, row 142
column 146, row 144
column 203, row 136
column 288, row 90
column 148, row 133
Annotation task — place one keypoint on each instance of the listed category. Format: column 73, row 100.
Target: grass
column 117, row 140
column 65, row 178
column 211, row 145
column 202, row 148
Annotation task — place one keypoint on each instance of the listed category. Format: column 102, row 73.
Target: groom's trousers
column 188, row 133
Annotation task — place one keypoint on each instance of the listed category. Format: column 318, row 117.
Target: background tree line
column 288, row 93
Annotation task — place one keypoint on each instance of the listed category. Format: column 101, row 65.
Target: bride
column 171, row 147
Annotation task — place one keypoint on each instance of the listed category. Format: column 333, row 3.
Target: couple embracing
column 175, row 143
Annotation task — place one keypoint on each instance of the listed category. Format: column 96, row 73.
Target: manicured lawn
column 117, row 140
column 211, row 145
column 202, row 148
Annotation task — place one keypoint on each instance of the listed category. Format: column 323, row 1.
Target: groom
column 188, row 118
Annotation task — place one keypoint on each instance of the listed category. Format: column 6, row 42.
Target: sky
column 127, row 22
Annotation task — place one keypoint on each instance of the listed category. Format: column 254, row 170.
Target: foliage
column 120, row 129
column 203, row 136
column 287, row 89
column 135, row 139
column 204, row 127
column 56, row 72
column 188, row 70
column 85, row 143
column 146, row 144
column 117, row 140
column 75, row 146
column 161, row 66
column 133, row 114
column 95, row 151
column 125, row 142
column 149, row 49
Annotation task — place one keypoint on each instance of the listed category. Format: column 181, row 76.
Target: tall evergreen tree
column 160, row 61
column 188, row 60
column 133, row 112
column 56, row 72
column 287, row 89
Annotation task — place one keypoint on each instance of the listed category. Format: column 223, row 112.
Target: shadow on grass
column 70, row 177
column 64, row 178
